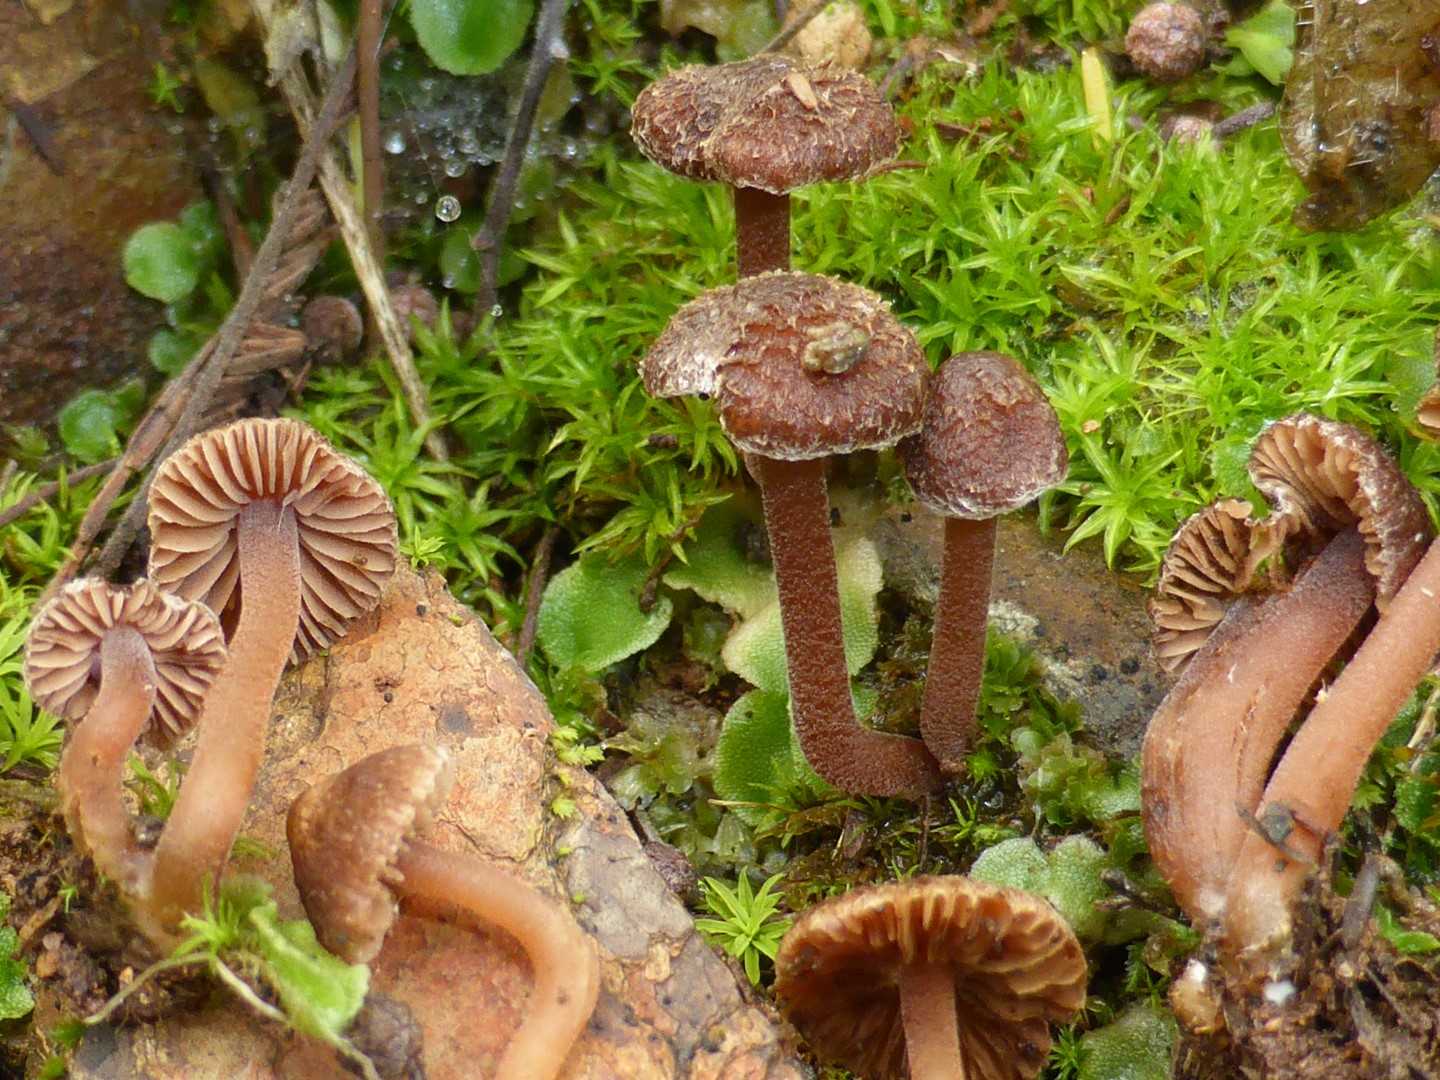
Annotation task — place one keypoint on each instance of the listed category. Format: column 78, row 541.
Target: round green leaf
column 169, row 352
column 590, row 614
column 1136, row 1046
column 161, row 262
column 470, row 37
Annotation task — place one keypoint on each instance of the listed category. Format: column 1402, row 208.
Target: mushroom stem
column 839, row 748
column 216, row 792
column 957, row 645
column 932, row 1027
column 762, row 231
column 1315, row 781
column 566, row 967
column 91, row 773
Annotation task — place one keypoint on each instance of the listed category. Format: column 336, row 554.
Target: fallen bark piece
column 422, row 668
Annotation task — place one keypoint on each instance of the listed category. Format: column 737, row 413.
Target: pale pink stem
column 563, row 958
column 932, row 1027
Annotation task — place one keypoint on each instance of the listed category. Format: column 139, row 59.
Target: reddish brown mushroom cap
column 345, row 524
column 1016, row 967
column 770, row 122
column 990, row 442
column 62, row 650
column 801, row 366
column 346, row 833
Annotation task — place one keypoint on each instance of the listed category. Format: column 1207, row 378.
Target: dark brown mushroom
column 802, row 367
column 356, row 850
column 289, row 541
column 990, row 443
column 765, row 126
column 115, row 661
column 933, row 978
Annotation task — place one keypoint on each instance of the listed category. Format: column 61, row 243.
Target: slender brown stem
column 762, row 232
column 565, row 964
column 957, row 644
column 91, row 773
column 837, row 745
column 367, row 93
column 932, row 1026
column 1314, row 783
column 211, row 805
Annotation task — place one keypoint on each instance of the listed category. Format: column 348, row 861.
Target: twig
column 787, row 34
column 534, row 591
column 242, row 248
column 549, row 47
column 40, row 133
column 981, row 24
column 367, row 94
column 42, row 494
column 170, row 963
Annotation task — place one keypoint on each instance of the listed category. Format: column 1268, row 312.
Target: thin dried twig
column 534, row 591
column 367, row 96
column 786, row 35
column 548, row 48
column 46, row 492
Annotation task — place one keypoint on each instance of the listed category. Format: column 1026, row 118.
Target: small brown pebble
column 1167, row 42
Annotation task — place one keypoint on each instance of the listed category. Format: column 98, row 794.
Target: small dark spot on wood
column 420, row 609
column 834, row 515
column 389, row 697
column 1130, row 665
column 1098, row 674
column 455, row 720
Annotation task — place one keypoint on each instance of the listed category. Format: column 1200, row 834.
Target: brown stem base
column 762, row 232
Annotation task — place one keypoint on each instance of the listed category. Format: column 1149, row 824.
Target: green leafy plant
column 465, row 37
column 92, row 422
column 743, row 922
column 590, row 616
column 15, row 997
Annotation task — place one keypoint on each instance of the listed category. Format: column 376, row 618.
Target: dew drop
column 454, row 168
column 394, row 142
column 447, row 207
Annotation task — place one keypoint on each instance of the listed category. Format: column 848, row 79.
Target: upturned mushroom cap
column 345, row 524
column 1017, row 966
column 801, row 366
column 770, row 122
column 62, row 650
column 1323, row 475
column 990, row 443
column 345, row 833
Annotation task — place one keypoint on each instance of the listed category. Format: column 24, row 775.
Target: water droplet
column 447, row 207
column 454, row 169
column 394, row 142
column 496, row 311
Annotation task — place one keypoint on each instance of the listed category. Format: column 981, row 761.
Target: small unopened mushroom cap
column 1322, row 476
column 62, row 652
column 990, row 442
column 801, row 366
column 1211, row 560
column 345, row 834
column 770, row 122
column 344, row 520
column 1017, row 966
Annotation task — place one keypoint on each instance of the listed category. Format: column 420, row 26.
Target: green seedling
column 744, row 922
column 92, row 422
column 1265, row 42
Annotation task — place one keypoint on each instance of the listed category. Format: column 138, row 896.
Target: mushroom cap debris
column 344, row 521
column 1017, row 969
column 62, row 651
column 770, row 122
column 347, row 831
column 801, row 366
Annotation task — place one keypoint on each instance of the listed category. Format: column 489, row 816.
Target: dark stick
column 367, row 93
column 549, row 47
column 534, row 591
column 785, row 36
column 40, row 494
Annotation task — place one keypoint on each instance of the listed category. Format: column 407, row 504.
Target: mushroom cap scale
column 801, row 366
column 63, row 647
column 344, row 521
column 990, row 443
column 770, row 122
column 1017, row 968
column 345, row 834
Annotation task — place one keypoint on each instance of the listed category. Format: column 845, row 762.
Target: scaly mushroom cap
column 1017, row 966
column 1323, row 475
column 345, row 833
column 990, row 443
column 770, row 122
column 62, row 652
column 801, row 366
column 344, row 521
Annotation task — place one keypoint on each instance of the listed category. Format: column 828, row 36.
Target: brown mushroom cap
column 1323, row 475
column 62, row 650
column 345, row 524
column 990, row 442
column 801, row 366
column 770, row 122
column 345, row 834
column 1017, row 968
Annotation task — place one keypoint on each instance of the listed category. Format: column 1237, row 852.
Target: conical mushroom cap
column 63, row 648
column 345, row 834
column 344, row 520
column 770, row 122
column 1017, row 969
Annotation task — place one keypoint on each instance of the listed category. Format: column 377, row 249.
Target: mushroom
column 802, row 367
column 990, row 443
column 946, row 976
column 107, row 658
column 288, row 540
column 765, row 126
column 353, row 840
